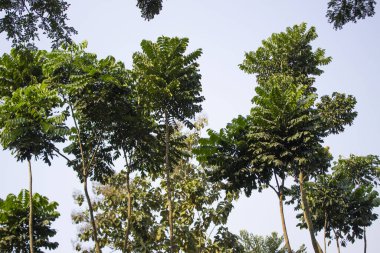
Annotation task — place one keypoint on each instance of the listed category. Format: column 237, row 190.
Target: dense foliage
column 14, row 229
column 340, row 12
column 23, row 19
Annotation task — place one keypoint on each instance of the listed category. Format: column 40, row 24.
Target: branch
column 93, row 156
column 62, row 155
column 274, row 189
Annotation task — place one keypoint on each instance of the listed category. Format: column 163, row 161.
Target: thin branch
column 62, row 155
column 78, row 133
column 274, row 189
column 278, row 185
column 93, row 156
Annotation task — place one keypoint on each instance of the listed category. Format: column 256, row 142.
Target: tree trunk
column 31, row 241
column 307, row 215
column 285, row 232
column 127, row 230
column 85, row 168
column 92, row 220
column 168, row 183
column 337, row 242
column 324, row 232
column 365, row 241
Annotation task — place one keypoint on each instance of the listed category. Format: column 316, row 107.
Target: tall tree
column 29, row 125
column 169, row 86
column 284, row 133
column 95, row 92
column 291, row 130
column 133, row 136
column 14, row 224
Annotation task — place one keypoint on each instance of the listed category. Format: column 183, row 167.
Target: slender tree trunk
column 92, row 219
column 168, row 182
column 337, row 242
column 284, row 230
column 129, row 197
column 324, row 232
column 365, row 241
column 85, row 168
column 31, row 241
column 307, row 215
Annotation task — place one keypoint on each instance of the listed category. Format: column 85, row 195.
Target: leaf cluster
column 14, row 222
column 340, row 12
column 168, row 80
column 23, row 18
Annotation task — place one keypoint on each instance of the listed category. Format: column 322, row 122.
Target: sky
column 224, row 30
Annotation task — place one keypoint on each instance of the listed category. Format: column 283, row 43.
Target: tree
column 235, row 157
column 95, row 92
column 23, row 18
column 169, row 86
column 253, row 150
column 364, row 174
column 135, row 137
column 340, row 12
column 327, row 199
column 14, row 224
column 113, row 216
column 284, row 132
column 29, row 125
column 288, row 122
column 340, row 208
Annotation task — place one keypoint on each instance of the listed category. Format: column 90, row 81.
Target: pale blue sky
column 224, row 30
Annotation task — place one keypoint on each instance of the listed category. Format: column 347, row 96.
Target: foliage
column 340, row 208
column 287, row 53
column 228, row 154
column 149, row 8
column 259, row 244
column 169, row 88
column 20, row 68
column 111, row 214
column 23, row 18
column 168, row 80
column 198, row 207
column 89, row 88
column 29, row 121
column 285, row 129
column 268, row 244
column 29, row 125
column 361, row 170
column 287, row 122
column 283, row 132
column 14, row 222
column 340, row 12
